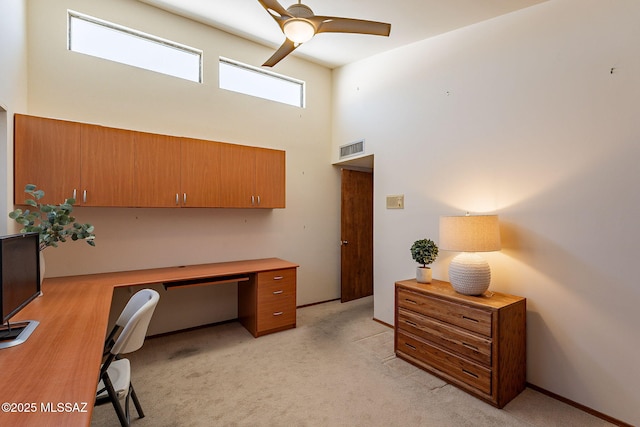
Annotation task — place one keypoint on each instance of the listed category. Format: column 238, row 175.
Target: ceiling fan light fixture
column 299, row 30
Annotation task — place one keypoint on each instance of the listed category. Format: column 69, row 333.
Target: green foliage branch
column 54, row 223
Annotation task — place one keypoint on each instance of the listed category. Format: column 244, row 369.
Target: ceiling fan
column 299, row 25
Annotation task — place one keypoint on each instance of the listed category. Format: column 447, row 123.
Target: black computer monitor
column 19, row 284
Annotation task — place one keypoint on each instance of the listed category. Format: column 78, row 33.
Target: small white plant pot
column 423, row 274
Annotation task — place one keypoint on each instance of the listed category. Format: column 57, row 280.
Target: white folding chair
column 127, row 336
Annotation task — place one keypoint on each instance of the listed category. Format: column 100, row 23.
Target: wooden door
column 200, row 173
column 357, row 235
column 237, row 170
column 157, row 170
column 270, row 178
column 107, row 167
column 46, row 154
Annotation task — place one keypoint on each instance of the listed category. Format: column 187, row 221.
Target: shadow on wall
column 129, row 239
column 583, row 303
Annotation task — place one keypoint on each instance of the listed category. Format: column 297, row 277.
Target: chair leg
column 136, row 402
column 113, row 396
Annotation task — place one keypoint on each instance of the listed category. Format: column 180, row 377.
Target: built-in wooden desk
column 51, row 379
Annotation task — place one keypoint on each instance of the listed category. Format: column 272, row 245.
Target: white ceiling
column 411, row 21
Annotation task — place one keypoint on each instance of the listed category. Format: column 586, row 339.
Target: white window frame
column 174, row 46
column 266, row 77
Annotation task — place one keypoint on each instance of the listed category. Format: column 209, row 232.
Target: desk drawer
column 277, row 312
column 460, row 369
column 268, row 278
column 455, row 339
column 466, row 317
column 276, row 299
column 276, row 286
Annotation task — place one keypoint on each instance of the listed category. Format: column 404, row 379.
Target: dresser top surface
column 442, row 289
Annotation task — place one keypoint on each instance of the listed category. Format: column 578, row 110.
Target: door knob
column 343, row 242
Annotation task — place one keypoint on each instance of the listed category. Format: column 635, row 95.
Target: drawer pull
column 278, row 292
column 278, row 313
column 410, row 323
column 278, row 278
column 410, row 346
column 472, row 347
column 470, row 319
column 410, row 301
column 471, row 374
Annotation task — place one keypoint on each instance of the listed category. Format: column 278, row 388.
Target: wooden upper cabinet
column 200, row 173
column 103, row 166
column 107, row 167
column 46, row 154
column 237, row 169
column 157, row 170
column 252, row 177
column 270, row 182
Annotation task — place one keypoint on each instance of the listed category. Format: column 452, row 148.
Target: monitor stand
column 16, row 333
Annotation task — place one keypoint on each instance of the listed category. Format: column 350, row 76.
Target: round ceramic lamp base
column 469, row 274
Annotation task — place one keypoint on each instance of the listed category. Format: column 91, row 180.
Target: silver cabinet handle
column 258, row 200
column 253, row 200
column 177, row 199
column 278, row 277
column 84, row 196
column 75, row 193
column 278, row 292
column 184, row 198
column 278, row 313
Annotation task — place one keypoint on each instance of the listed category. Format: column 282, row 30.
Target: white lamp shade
column 299, row 30
column 473, row 233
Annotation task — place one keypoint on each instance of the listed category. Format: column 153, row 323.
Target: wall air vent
column 352, row 149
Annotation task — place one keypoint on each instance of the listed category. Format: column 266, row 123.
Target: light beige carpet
column 337, row 368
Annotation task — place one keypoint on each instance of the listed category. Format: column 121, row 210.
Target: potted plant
column 424, row 252
column 54, row 223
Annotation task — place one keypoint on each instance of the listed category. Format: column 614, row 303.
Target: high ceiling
column 411, row 21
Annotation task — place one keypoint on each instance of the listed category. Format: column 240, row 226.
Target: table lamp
column 469, row 273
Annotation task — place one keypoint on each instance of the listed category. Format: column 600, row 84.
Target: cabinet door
column 106, row 167
column 46, row 154
column 270, row 178
column 237, row 170
column 200, row 173
column 157, row 170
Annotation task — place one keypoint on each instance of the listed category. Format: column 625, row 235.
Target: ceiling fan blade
column 332, row 24
column 274, row 9
column 287, row 47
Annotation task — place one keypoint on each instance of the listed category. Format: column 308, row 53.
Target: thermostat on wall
column 395, row 201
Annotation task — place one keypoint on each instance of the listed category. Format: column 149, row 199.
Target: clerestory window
column 106, row 40
column 249, row 80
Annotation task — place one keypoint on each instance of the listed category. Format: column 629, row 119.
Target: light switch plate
column 395, row 201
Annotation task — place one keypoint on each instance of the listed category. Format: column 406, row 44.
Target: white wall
column 522, row 116
column 77, row 87
column 13, row 94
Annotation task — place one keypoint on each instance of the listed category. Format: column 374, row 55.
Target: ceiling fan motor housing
column 300, row 10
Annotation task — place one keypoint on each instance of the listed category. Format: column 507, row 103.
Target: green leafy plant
column 424, row 251
column 54, row 222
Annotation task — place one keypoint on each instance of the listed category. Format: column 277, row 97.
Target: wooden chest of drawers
column 267, row 302
column 475, row 343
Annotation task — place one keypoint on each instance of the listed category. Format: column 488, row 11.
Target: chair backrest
column 136, row 301
column 135, row 319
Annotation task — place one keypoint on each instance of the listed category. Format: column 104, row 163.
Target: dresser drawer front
column 457, row 340
column 469, row 318
column 462, row 370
